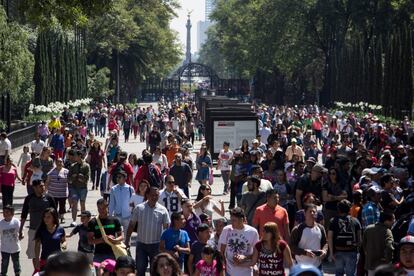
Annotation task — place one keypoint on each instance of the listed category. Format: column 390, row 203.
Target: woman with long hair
column 49, row 236
column 333, row 191
column 204, row 165
column 206, row 204
column 245, row 146
column 96, row 160
column 160, row 159
column 141, row 194
column 165, row 265
column 133, row 161
column 271, row 249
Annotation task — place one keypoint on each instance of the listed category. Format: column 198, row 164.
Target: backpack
column 154, row 176
column 345, row 236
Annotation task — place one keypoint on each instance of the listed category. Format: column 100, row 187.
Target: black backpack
column 154, row 176
column 345, row 236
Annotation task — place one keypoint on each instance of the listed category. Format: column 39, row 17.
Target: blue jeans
column 345, row 262
column 144, row 253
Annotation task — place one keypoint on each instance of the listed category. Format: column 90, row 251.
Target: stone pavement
column 133, row 146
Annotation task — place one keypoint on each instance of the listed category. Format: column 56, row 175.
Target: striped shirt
column 150, row 222
column 58, row 184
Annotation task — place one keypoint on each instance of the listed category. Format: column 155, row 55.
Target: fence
column 22, row 136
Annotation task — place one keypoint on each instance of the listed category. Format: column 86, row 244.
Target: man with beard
column 253, row 198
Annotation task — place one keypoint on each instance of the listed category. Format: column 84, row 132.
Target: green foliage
column 66, row 13
column 16, row 61
column 139, row 31
column 98, row 83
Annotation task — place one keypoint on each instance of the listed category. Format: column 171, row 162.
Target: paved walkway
column 133, row 146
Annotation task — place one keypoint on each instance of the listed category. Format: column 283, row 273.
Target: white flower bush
column 361, row 105
column 57, row 107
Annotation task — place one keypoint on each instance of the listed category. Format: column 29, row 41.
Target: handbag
column 120, row 249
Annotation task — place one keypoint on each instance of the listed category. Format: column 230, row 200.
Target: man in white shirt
column 37, row 145
column 236, row 244
column 265, row 132
column 171, row 195
column 5, row 147
column 265, row 184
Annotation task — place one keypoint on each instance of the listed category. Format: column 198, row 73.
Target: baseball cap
column 298, row 269
column 255, row 141
column 409, row 239
column 374, row 189
column 369, row 171
column 293, row 140
column 311, row 159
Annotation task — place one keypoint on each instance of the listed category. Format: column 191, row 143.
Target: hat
column 368, row 171
column 400, row 147
column 407, row 240
column 293, row 140
column 108, row 264
column 298, row 269
column 374, row 190
column 312, row 160
column 255, row 141
column 319, row 168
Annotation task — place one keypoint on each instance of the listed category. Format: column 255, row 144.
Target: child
column 211, row 263
column 10, row 244
column 24, row 158
column 82, row 229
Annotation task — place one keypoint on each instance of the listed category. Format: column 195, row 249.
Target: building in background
column 202, row 26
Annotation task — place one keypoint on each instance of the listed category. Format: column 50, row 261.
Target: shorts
column 30, row 252
column 77, row 194
column 318, row 134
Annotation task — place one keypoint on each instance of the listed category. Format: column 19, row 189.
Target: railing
column 22, row 136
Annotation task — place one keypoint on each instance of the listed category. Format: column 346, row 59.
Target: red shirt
column 266, row 214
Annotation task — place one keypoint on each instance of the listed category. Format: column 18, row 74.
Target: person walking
column 119, row 199
column 10, row 243
column 308, row 240
column 112, row 227
column 49, row 238
column 378, row 243
column 8, row 176
column 182, row 174
column 34, row 205
column 78, row 177
column 344, row 239
column 224, row 160
column 236, row 244
column 171, row 195
column 252, row 199
column 57, row 187
column 96, row 161
column 149, row 219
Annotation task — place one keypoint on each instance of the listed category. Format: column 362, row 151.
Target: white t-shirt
column 265, row 185
column 239, row 242
column 136, row 199
column 208, row 209
column 170, row 200
column 264, row 133
column 175, row 123
column 37, row 147
column 311, row 239
column 37, row 175
column 225, row 157
column 5, row 145
column 9, row 231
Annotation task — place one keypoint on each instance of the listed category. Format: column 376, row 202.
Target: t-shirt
column 310, row 239
column 206, row 269
column 171, row 201
column 36, row 206
column 238, row 241
column 9, row 231
column 266, row 214
column 173, row 237
column 50, row 241
column 196, row 250
column 225, row 157
column 270, row 263
column 191, row 225
column 83, row 244
column 111, row 226
column 250, row 201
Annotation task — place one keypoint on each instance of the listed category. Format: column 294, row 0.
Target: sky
column 178, row 24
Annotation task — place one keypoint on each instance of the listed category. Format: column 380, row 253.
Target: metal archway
column 194, row 69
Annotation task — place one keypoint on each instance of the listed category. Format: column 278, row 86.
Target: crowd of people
column 313, row 190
